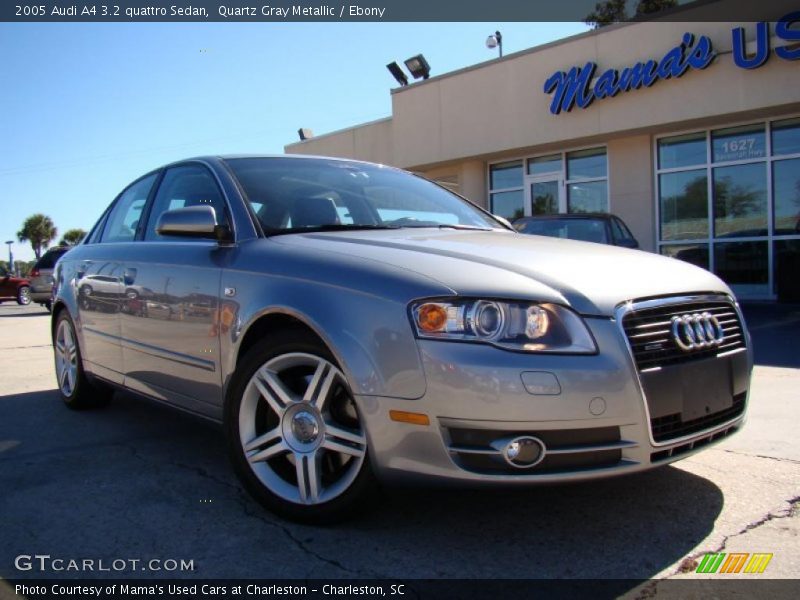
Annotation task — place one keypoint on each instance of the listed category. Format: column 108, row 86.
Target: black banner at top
column 127, row 11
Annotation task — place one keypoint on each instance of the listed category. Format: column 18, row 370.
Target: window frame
column 105, row 218
column 710, row 241
column 560, row 174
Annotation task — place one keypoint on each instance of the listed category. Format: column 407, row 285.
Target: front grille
column 671, row 426
column 649, row 332
column 567, row 450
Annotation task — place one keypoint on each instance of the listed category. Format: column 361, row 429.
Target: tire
column 294, row 434
column 75, row 389
column 24, row 295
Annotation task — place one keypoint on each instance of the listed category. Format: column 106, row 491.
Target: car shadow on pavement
column 139, row 480
column 775, row 329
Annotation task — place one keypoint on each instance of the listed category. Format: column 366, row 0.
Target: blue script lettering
column 574, row 87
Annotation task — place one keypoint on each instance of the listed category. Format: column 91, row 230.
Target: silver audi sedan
column 352, row 324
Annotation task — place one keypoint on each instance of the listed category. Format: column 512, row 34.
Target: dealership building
column 689, row 131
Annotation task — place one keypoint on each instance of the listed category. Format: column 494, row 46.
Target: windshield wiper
column 324, row 228
column 466, row 227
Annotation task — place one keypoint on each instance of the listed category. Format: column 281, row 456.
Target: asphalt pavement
column 139, row 481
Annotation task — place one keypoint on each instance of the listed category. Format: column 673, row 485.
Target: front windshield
column 295, row 194
column 585, row 230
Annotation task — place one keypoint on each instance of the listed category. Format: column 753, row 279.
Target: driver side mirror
column 504, row 221
column 194, row 222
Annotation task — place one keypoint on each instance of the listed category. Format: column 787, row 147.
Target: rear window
column 48, row 261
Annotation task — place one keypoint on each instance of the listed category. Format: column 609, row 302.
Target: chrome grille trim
column 648, row 329
column 631, row 305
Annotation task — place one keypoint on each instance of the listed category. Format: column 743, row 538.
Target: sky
column 86, row 108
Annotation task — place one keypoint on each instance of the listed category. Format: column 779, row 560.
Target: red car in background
column 14, row 288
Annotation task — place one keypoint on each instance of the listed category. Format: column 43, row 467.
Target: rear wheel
column 75, row 388
column 294, row 431
column 24, row 295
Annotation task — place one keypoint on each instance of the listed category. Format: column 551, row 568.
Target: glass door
column 544, row 195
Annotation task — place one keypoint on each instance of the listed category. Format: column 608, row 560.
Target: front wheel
column 24, row 295
column 295, row 435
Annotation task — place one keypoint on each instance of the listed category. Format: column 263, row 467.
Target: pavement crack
column 775, row 458
column 245, row 503
column 690, row 563
column 771, row 516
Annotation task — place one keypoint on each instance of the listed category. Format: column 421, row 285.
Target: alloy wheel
column 300, row 430
column 66, row 358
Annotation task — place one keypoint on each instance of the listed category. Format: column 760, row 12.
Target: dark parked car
column 586, row 227
column 42, row 275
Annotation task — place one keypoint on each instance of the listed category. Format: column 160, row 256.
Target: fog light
column 524, row 452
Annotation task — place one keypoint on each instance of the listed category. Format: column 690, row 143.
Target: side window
column 124, row 218
column 620, row 230
column 189, row 185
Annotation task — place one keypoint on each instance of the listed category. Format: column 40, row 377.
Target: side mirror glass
column 192, row 221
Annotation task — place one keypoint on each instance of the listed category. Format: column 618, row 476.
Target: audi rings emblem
column 697, row 331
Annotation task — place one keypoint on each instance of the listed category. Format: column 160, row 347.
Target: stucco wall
column 371, row 142
column 501, row 106
column 630, row 164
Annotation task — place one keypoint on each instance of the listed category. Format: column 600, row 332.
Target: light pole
column 10, row 258
column 495, row 41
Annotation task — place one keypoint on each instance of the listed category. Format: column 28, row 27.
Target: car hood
column 592, row 278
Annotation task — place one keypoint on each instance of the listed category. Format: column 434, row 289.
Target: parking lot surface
column 139, row 481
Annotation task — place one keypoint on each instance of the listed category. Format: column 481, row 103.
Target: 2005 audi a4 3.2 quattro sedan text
column 352, row 324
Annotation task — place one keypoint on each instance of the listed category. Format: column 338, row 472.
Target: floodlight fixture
column 418, row 67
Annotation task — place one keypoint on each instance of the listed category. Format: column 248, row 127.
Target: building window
column 506, row 192
column 729, row 201
column 574, row 181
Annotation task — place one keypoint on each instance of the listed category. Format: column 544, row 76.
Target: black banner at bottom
column 400, row 589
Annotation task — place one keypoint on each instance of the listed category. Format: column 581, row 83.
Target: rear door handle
column 129, row 276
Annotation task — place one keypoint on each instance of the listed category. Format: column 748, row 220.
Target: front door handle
column 129, row 276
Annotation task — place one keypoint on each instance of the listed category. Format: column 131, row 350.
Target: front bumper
column 594, row 423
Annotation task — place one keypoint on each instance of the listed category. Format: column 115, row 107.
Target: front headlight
column 525, row 326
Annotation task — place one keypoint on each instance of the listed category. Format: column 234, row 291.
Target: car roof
column 567, row 216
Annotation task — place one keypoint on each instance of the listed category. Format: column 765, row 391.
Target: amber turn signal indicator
column 431, row 317
column 409, row 417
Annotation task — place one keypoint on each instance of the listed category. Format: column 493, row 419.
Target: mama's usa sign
column 578, row 86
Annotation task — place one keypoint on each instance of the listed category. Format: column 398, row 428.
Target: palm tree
column 72, row 237
column 39, row 230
